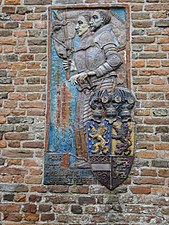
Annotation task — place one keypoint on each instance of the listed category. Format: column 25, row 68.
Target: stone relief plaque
column 90, row 129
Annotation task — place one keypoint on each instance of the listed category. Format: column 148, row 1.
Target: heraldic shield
column 111, row 137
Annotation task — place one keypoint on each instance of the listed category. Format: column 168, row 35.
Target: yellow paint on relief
column 131, row 126
column 115, row 142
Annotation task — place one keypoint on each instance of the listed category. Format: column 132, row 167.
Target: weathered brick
column 48, row 217
column 142, row 24
column 76, row 209
column 143, row 40
column 14, row 120
column 160, row 112
column 18, row 154
column 58, row 189
column 162, row 23
column 59, row 199
column 37, row 2
column 11, row 25
column 22, row 128
column 29, row 208
column 87, row 200
column 8, row 9
column 12, row 58
column 23, row 10
column 45, row 208
column 6, row 128
column 8, row 197
column 160, row 163
column 35, row 198
column 37, row 42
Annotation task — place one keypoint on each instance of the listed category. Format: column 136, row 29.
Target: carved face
column 96, row 21
column 82, row 26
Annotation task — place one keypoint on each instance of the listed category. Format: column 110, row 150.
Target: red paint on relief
column 65, row 162
column 66, row 99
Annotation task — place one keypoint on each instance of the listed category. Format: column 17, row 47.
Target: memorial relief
column 90, row 127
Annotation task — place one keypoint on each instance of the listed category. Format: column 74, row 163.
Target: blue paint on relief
column 92, row 128
column 120, row 12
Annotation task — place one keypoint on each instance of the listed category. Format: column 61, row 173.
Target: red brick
column 37, row 144
column 33, row 180
column 149, row 172
column 9, row 208
column 159, row 80
column 8, row 49
column 30, row 163
column 142, row 24
column 163, row 173
column 165, row 63
column 13, row 217
column 32, row 97
column 156, row 7
column 32, row 104
column 29, row 73
column 16, row 136
column 31, row 217
column 151, row 72
column 138, row 63
column 156, row 121
column 140, row 190
column 26, row 25
column 31, row 208
column 14, row 162
column 153, row 63
column 3, row 144
column 12, row 2
column 163, row 40
column 7, row 41
column 152, row 88
column 8, row 9
column 142, row 112
column 36, row 112
column 162, row 146
column 146, row 155
column 10, row 104
column 2, row 119
column 152, row 180
column 39, row 189
column 137, row 7
column 17, row 96
column 36, row 171
column 34, row 198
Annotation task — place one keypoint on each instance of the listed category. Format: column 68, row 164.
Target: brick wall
column 143, row 199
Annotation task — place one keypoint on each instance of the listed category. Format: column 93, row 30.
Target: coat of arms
column 90, row 125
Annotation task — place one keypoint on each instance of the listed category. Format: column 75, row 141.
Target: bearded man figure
column 96, row 60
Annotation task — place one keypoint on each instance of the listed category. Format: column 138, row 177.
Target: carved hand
column 66, row 64
column 73, row 79
column 82, row 77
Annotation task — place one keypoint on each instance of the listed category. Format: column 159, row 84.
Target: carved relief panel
column 90, row 129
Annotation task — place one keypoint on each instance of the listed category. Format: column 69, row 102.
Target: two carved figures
column 102, row 125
